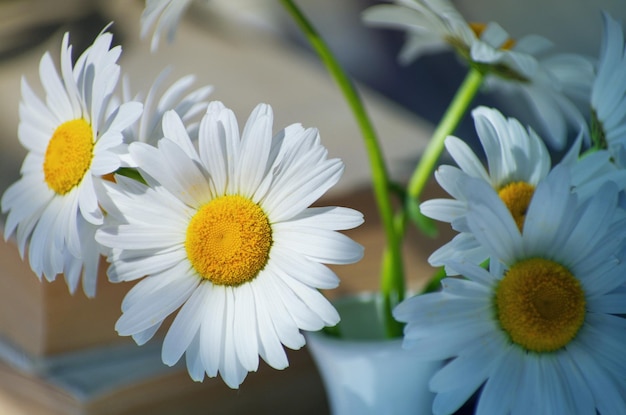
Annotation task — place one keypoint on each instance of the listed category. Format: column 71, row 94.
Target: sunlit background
column 250, row 51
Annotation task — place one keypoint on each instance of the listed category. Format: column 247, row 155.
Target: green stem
column 392, row 282
column 453, row 115
column 434, row 284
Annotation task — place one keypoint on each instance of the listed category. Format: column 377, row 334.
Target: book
column 43, row 318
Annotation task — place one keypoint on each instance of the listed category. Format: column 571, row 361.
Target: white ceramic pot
column 363, row 373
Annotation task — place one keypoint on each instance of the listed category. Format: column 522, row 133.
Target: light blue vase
column 364, row 373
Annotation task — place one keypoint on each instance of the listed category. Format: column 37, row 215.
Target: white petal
column 212, row 328
column 183, row 328
column 318, row 244
column 270, row 347
column 147, row 311
column 245, row 327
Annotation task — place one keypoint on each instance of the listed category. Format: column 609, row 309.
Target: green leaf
column 130, row 173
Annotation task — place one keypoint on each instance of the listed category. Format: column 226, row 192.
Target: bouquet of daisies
column 215, row 222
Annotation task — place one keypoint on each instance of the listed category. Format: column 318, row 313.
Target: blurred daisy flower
column 226, row 234
column 539, row 331
column 189, row 104
column 608, row 97
column 71, row 140
column 435, row 25
column 553, row 85
column 163, row 16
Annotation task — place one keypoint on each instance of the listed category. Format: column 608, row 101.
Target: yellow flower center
column 228, row 240
column 479, row 28
column 498, row 69
column 68, row 156
column 540, row 304
column 517, row 196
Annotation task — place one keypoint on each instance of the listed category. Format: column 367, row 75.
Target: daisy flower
column 553, row 85
column 433, row 25
column 554, row 94
column 608, row 96
column 226, row 234
column 517, row 161
column 164, row 16
column 540, row 331
column 71, row 140
column 188, row 104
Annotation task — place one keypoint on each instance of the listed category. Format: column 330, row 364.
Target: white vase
column 364, row 373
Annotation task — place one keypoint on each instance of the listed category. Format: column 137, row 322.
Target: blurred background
column 422, row 89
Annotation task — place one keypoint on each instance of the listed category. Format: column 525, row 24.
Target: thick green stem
column 392, row 283
column 453, row 115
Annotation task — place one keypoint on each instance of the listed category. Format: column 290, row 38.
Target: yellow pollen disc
column 516, row 196
column 68, row 156
column 479, row 28
column 540, row 304
column 228, row 240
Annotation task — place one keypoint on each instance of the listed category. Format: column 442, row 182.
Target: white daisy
column 553, row 85
column 517, row 161
column 227, row 235
column 541, row 331
column 189, row 105
column 554, row 93
column 71, row 141
column 608, row 97
column 164, row 16
column 433, row 25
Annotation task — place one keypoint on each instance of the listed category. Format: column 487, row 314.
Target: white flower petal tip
column 164, row 16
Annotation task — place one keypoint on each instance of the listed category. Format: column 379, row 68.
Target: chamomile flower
column 188, row 104
column 226, row 234
column 554, row 92
column 164, row 16
column 553, row 85
column 433, row 25
column 540, row 331
column 608, row 97
column 517, row 161
column 71, row 140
